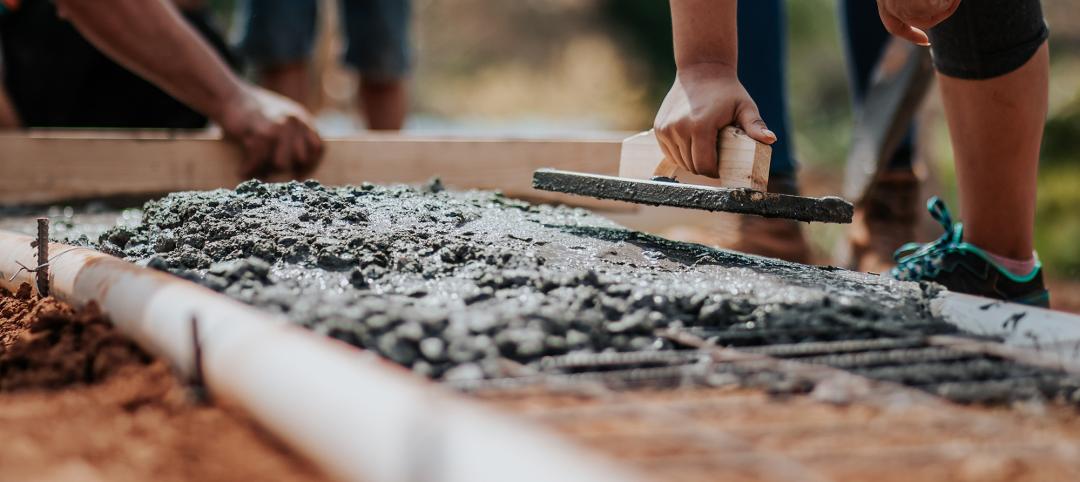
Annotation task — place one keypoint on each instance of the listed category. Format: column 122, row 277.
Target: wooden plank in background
column 42, row 167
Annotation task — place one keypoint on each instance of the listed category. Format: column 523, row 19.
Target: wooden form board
column 51, row 166
column 744, row 162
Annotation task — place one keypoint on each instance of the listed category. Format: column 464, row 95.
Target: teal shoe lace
column 915, row 261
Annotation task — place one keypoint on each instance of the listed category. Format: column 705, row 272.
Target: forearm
column 706, row 95
column 705, row 31
column 150, row 38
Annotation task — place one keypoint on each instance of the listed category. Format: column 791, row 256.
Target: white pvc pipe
column 357, row 416
column 1052, row 333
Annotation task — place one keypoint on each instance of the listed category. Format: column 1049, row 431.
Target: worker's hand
column 910, row 19
column 704, row 99
column 276, row 134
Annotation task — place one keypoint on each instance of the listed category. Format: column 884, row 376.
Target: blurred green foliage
column 1057, row 222
column 1061, row 142
column 1057, row 232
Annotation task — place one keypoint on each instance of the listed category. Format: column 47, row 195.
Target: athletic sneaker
column 964, row 268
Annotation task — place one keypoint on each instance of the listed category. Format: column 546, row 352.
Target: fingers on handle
column 703, row 148
column 682, row 144
column 669, row 147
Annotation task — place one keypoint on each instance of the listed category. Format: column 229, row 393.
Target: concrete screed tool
column 899, row 84
column 647, row 177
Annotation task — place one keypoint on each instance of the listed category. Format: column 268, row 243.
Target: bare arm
column 705, row 32
column 151, row 38
column 706, row 95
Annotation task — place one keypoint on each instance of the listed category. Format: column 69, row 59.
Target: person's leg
column 995, row 97
column 886, row 217
column 996, row 126
column 385, row 103
column 378, row 34
column 289, row 79
column 278, row 38
column 993, row 68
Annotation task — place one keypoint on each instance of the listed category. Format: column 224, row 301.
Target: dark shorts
column 57, row 79
column 377, row 32
column 988, row 38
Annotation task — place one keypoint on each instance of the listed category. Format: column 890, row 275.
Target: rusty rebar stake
column 42, row 270
column 197, row 383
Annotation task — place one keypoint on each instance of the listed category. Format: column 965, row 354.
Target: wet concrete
column 79, row 224
column 455, row 284
column 663, row 192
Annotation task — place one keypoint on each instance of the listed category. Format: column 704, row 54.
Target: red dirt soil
column 730, row 434
column 1064, row 295
column 78, row 401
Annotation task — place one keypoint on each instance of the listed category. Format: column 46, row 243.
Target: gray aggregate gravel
column 448, row 283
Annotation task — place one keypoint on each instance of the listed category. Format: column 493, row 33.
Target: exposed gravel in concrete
column 451, row 283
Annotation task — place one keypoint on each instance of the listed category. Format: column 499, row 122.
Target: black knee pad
column 988, row 38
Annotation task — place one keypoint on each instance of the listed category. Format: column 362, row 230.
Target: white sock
column 1018, row 267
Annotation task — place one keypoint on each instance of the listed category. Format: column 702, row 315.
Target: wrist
column 235, row 112
column 708, row 69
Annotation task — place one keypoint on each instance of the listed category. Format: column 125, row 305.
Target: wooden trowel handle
column 744, row 162
column 666, row 168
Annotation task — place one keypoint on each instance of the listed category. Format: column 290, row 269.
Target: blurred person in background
column 66, row 64
column 992, row 61
column 279, row 38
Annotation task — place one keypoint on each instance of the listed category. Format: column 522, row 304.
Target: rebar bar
column 41, row 272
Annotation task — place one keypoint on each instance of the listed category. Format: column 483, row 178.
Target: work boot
column 769, row 237
column 884, row 220
column 965, row 268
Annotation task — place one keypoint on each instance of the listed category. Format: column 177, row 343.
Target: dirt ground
column 1064, row 295
column 80, row 402
column 734, row 434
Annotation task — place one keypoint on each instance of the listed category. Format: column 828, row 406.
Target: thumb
column 749, row 120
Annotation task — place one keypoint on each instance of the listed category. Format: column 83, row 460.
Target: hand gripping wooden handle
column 744, row 162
